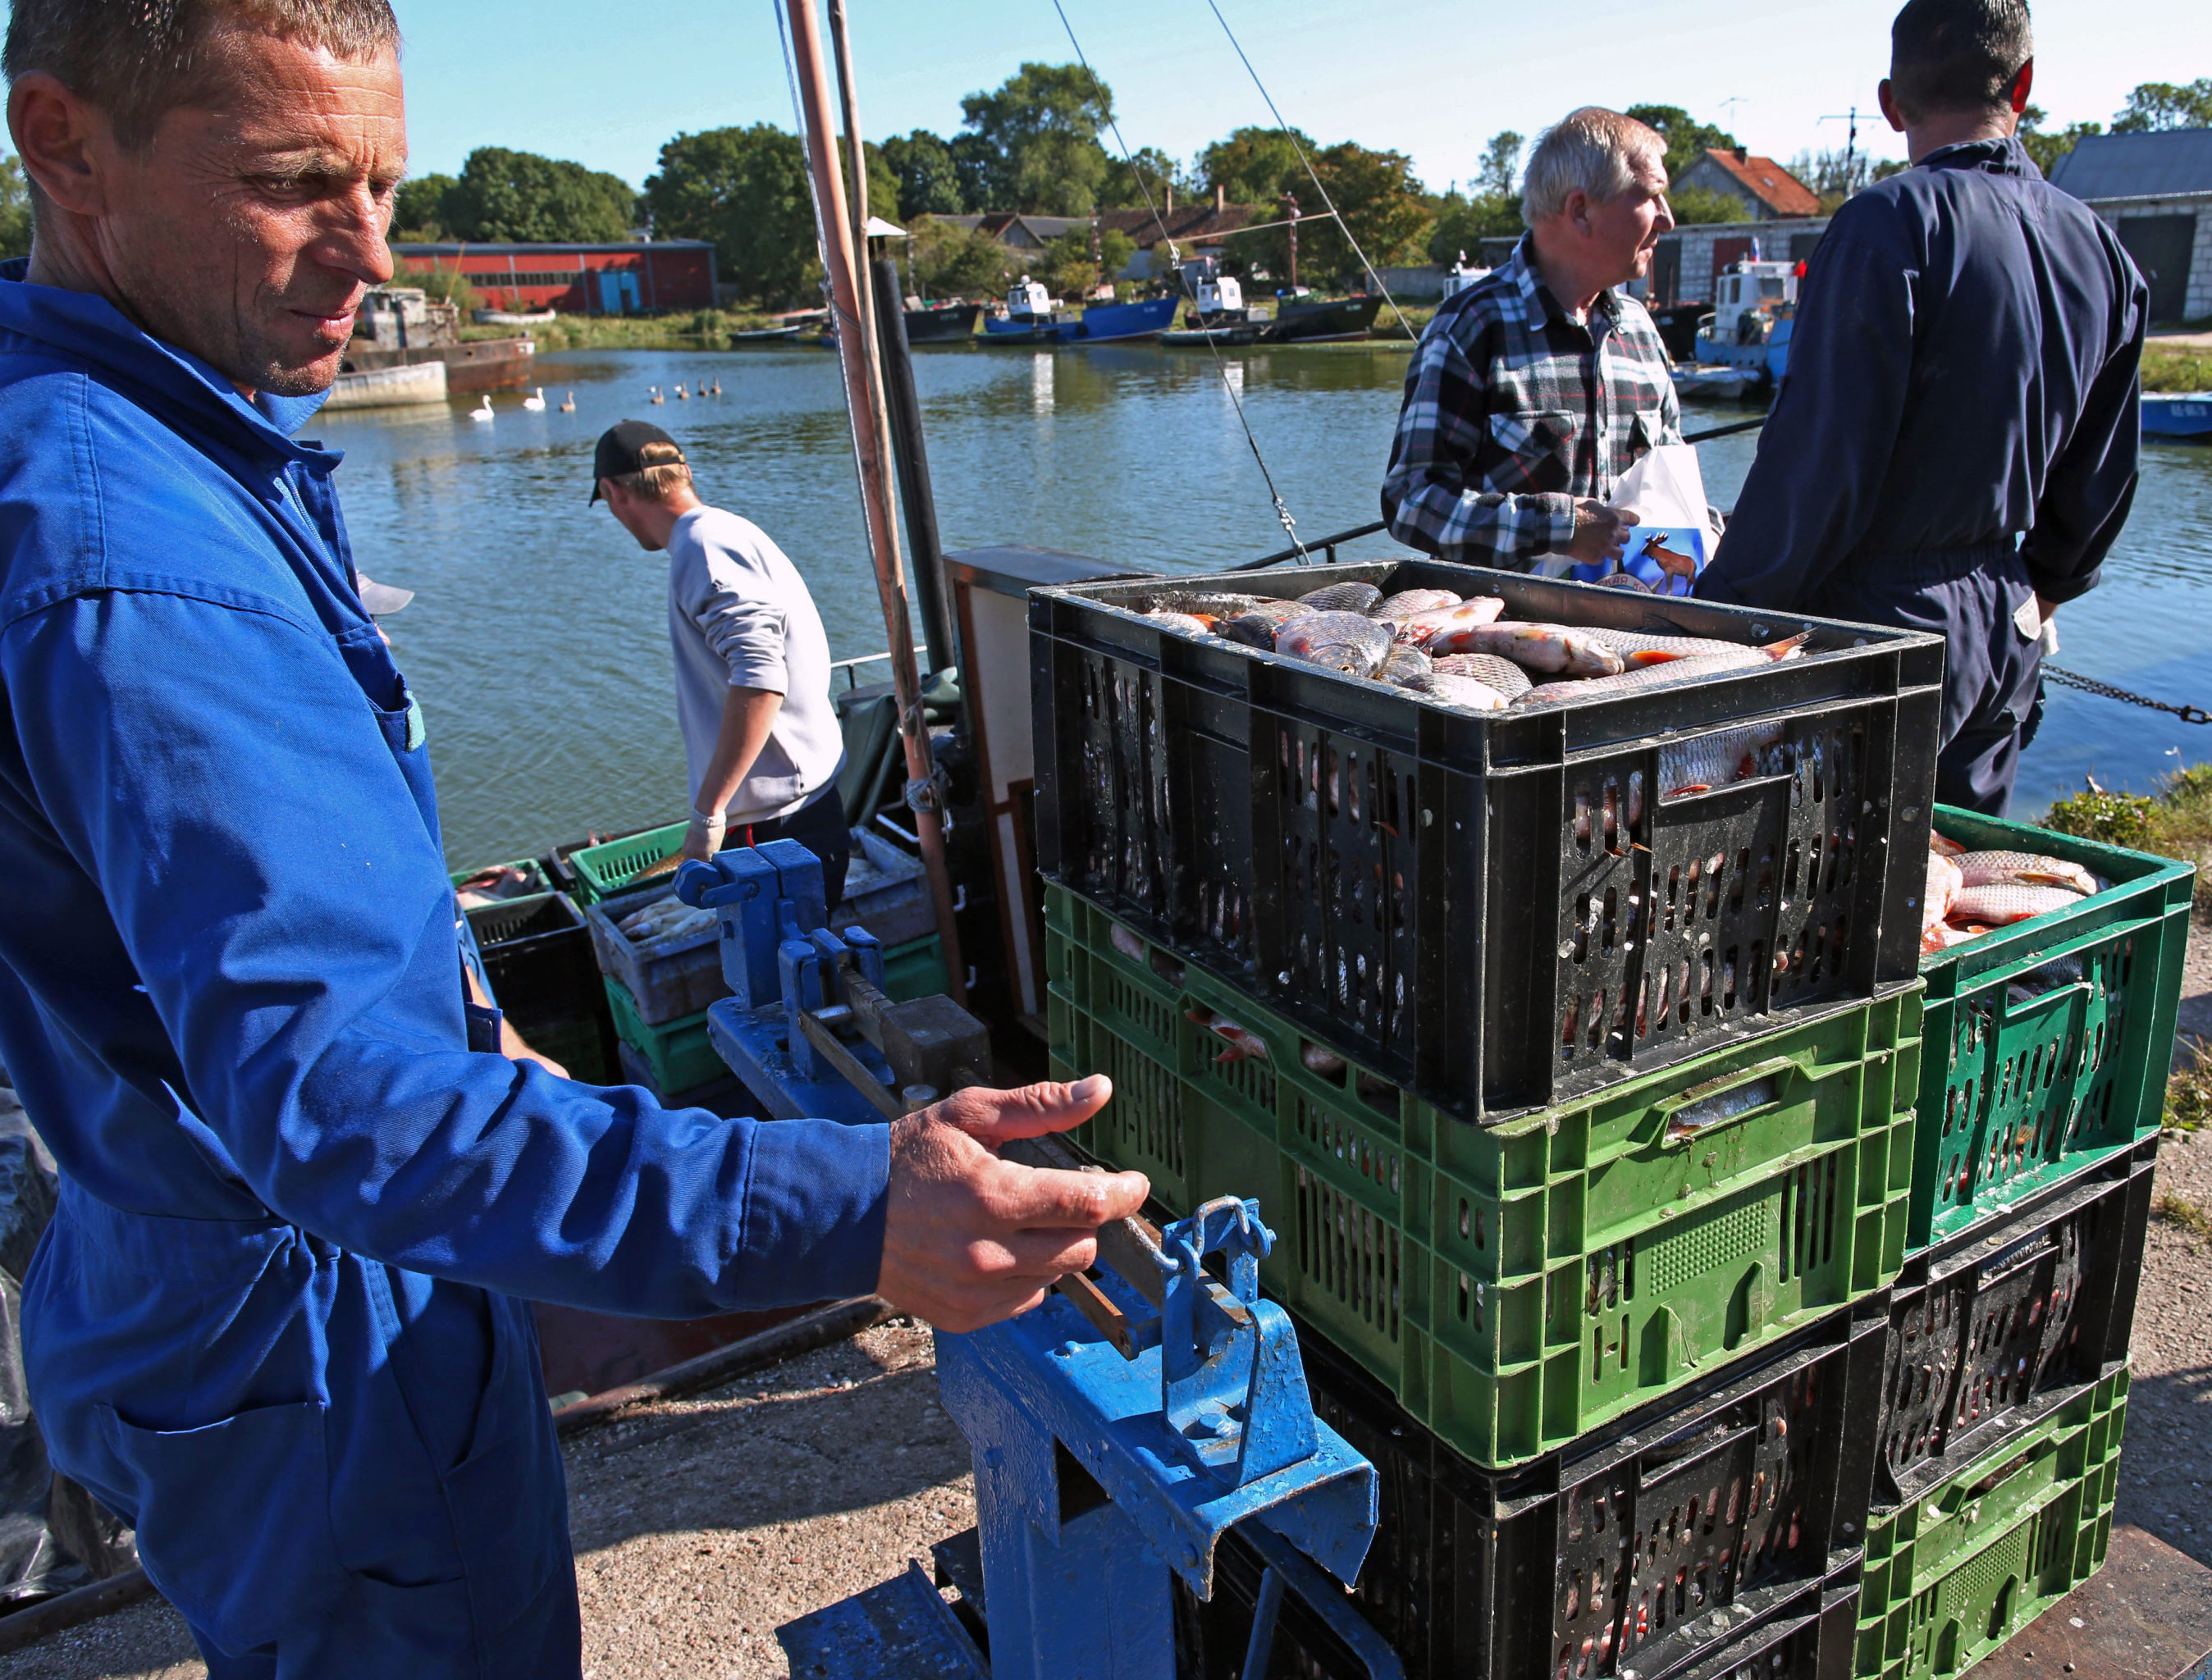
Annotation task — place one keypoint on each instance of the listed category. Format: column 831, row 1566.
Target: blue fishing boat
column 1031, row 318
column 1754, row 306
column 2178, row 414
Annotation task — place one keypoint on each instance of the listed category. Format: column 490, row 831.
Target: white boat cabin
column 1750, row 288
column 1219, row 294
column 1460, row 276
column 1030, row 297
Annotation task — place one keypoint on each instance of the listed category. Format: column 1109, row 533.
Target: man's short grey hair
column 1594, row 150
column 138, row 60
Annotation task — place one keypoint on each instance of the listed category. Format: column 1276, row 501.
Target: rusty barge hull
column 477, row 366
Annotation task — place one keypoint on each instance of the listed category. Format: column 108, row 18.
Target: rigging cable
column 1292, row 135
column 1282, row 509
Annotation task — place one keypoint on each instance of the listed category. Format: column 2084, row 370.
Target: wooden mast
column 856, row 357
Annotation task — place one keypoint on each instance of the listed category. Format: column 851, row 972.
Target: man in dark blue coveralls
column 1953, row 448
column 277, row 1321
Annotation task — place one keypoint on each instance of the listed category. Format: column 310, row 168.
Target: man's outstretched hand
column 969, row 1238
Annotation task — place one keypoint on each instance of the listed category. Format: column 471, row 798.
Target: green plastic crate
column 1952, row 1575
column 679, row 1051
column 613, row 866
column 915, row 969
column 1519, row 1284
column 2047, row 1041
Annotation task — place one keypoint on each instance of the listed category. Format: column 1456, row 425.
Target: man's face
column 1626, row 230
column 247, row 234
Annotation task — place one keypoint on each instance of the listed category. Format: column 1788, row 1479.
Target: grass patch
column 2174, row 821
column 2180, row 368
column 2179, row 1210
column 2188, row 1094
column 687, row 329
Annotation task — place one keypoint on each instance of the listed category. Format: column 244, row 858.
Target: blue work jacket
column 1961, row 377
column 230, row 1002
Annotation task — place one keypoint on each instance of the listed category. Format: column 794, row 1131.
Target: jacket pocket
column 234, row 1519
column 508, row 1499
column 1531, row 451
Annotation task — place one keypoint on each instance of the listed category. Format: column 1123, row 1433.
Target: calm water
column 538, row 640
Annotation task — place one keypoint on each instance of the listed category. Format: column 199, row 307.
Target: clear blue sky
column 607, row 84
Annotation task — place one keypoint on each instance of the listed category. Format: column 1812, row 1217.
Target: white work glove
column 2051, row 637
column 702, row 838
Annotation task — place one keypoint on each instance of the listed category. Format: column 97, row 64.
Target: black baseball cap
column 621, row 449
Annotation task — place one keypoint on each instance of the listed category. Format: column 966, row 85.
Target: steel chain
column 2188, row 714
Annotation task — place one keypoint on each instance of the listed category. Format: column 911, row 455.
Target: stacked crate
column 1582, row 1101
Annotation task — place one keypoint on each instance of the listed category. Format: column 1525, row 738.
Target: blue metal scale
column 1119, row 1429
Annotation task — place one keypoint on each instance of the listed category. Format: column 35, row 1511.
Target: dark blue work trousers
column 1992, row 671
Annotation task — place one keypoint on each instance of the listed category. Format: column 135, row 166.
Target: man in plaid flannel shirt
column 1535, row 388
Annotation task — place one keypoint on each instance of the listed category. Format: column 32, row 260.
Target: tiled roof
column 1768, row 182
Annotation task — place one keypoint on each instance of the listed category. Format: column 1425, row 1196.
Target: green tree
column 1381, row 201
column 1041, row 128
column 2166, row 105
column 2046, row 148
column 947, row 260
column 1146, row 177
column 928, row 179
column 14, row 210
column 504, row 195
column 418, row 210
column 1686, row 138
column 1498, row 174
column 1256, row 166
column 1462, row 224
column 883, row 179
column 745, row 189
column 1070, row 270
column 1695, row 204
column 441, row 285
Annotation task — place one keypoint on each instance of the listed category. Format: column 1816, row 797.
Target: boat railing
column 851, row 667
column 1326, row 547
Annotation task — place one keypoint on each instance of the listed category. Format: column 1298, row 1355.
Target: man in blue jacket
column 277, row 1322
column 1953, row 448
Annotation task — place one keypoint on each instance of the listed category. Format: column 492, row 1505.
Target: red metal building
column 578, row 279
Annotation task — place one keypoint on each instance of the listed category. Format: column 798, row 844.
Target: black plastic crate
column 1499, row 910
column 2039, row 1298
column 1644, row 1549
column 538, row 956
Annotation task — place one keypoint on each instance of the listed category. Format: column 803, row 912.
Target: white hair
column 1594, row 150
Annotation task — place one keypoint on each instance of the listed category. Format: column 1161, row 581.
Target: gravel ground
column 703, row 1525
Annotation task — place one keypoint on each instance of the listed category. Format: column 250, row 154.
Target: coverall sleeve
column 1826, row 446
column 2092, row 484
column 1427, row 499
column 220, row 773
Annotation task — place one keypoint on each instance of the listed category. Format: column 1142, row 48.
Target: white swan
column 482, row 410
column 569, row 407
column 679, row 391
column 536, row 401
column 658, row 399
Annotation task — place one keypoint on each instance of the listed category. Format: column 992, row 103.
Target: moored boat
column 941, row 323
column 2178, row 414
column 1321, row 320
column 421, row 383
column 1032, row 319
column 1754, row 306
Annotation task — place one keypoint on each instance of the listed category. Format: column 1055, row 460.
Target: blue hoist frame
column 1119, row 1429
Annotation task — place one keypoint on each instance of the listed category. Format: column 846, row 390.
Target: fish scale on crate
column 1372, row 866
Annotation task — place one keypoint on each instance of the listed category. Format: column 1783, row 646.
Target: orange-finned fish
column 2003, row 902
column 1943, row 884
column 1503, row 675
column 1244, row 1043
column 1675, row 671
column 1421, row 629
column 1343, row 598
column 1989, row 869
column 1949, row 848
column 1449, row 688
column 1547, row 647
column 1183, row 620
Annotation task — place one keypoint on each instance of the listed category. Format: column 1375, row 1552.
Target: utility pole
column 1290, row 204
column 1851, row 145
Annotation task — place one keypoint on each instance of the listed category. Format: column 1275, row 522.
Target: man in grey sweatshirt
column 752, row 662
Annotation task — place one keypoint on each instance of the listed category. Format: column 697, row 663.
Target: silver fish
column 1547, row 647
column 1716, row 760
column 1652, row 677
column 1342, row 597
column 1990, row 868
column 1338, row 641
column 1464, row 692
column 1640, row 648
column 1406, row 603
column 1182, row 620
column 2002, row 902
column 1256, row 627
column 1406, row 667
column 1422, row 628
column 1503, row 675
column 1204, row 602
